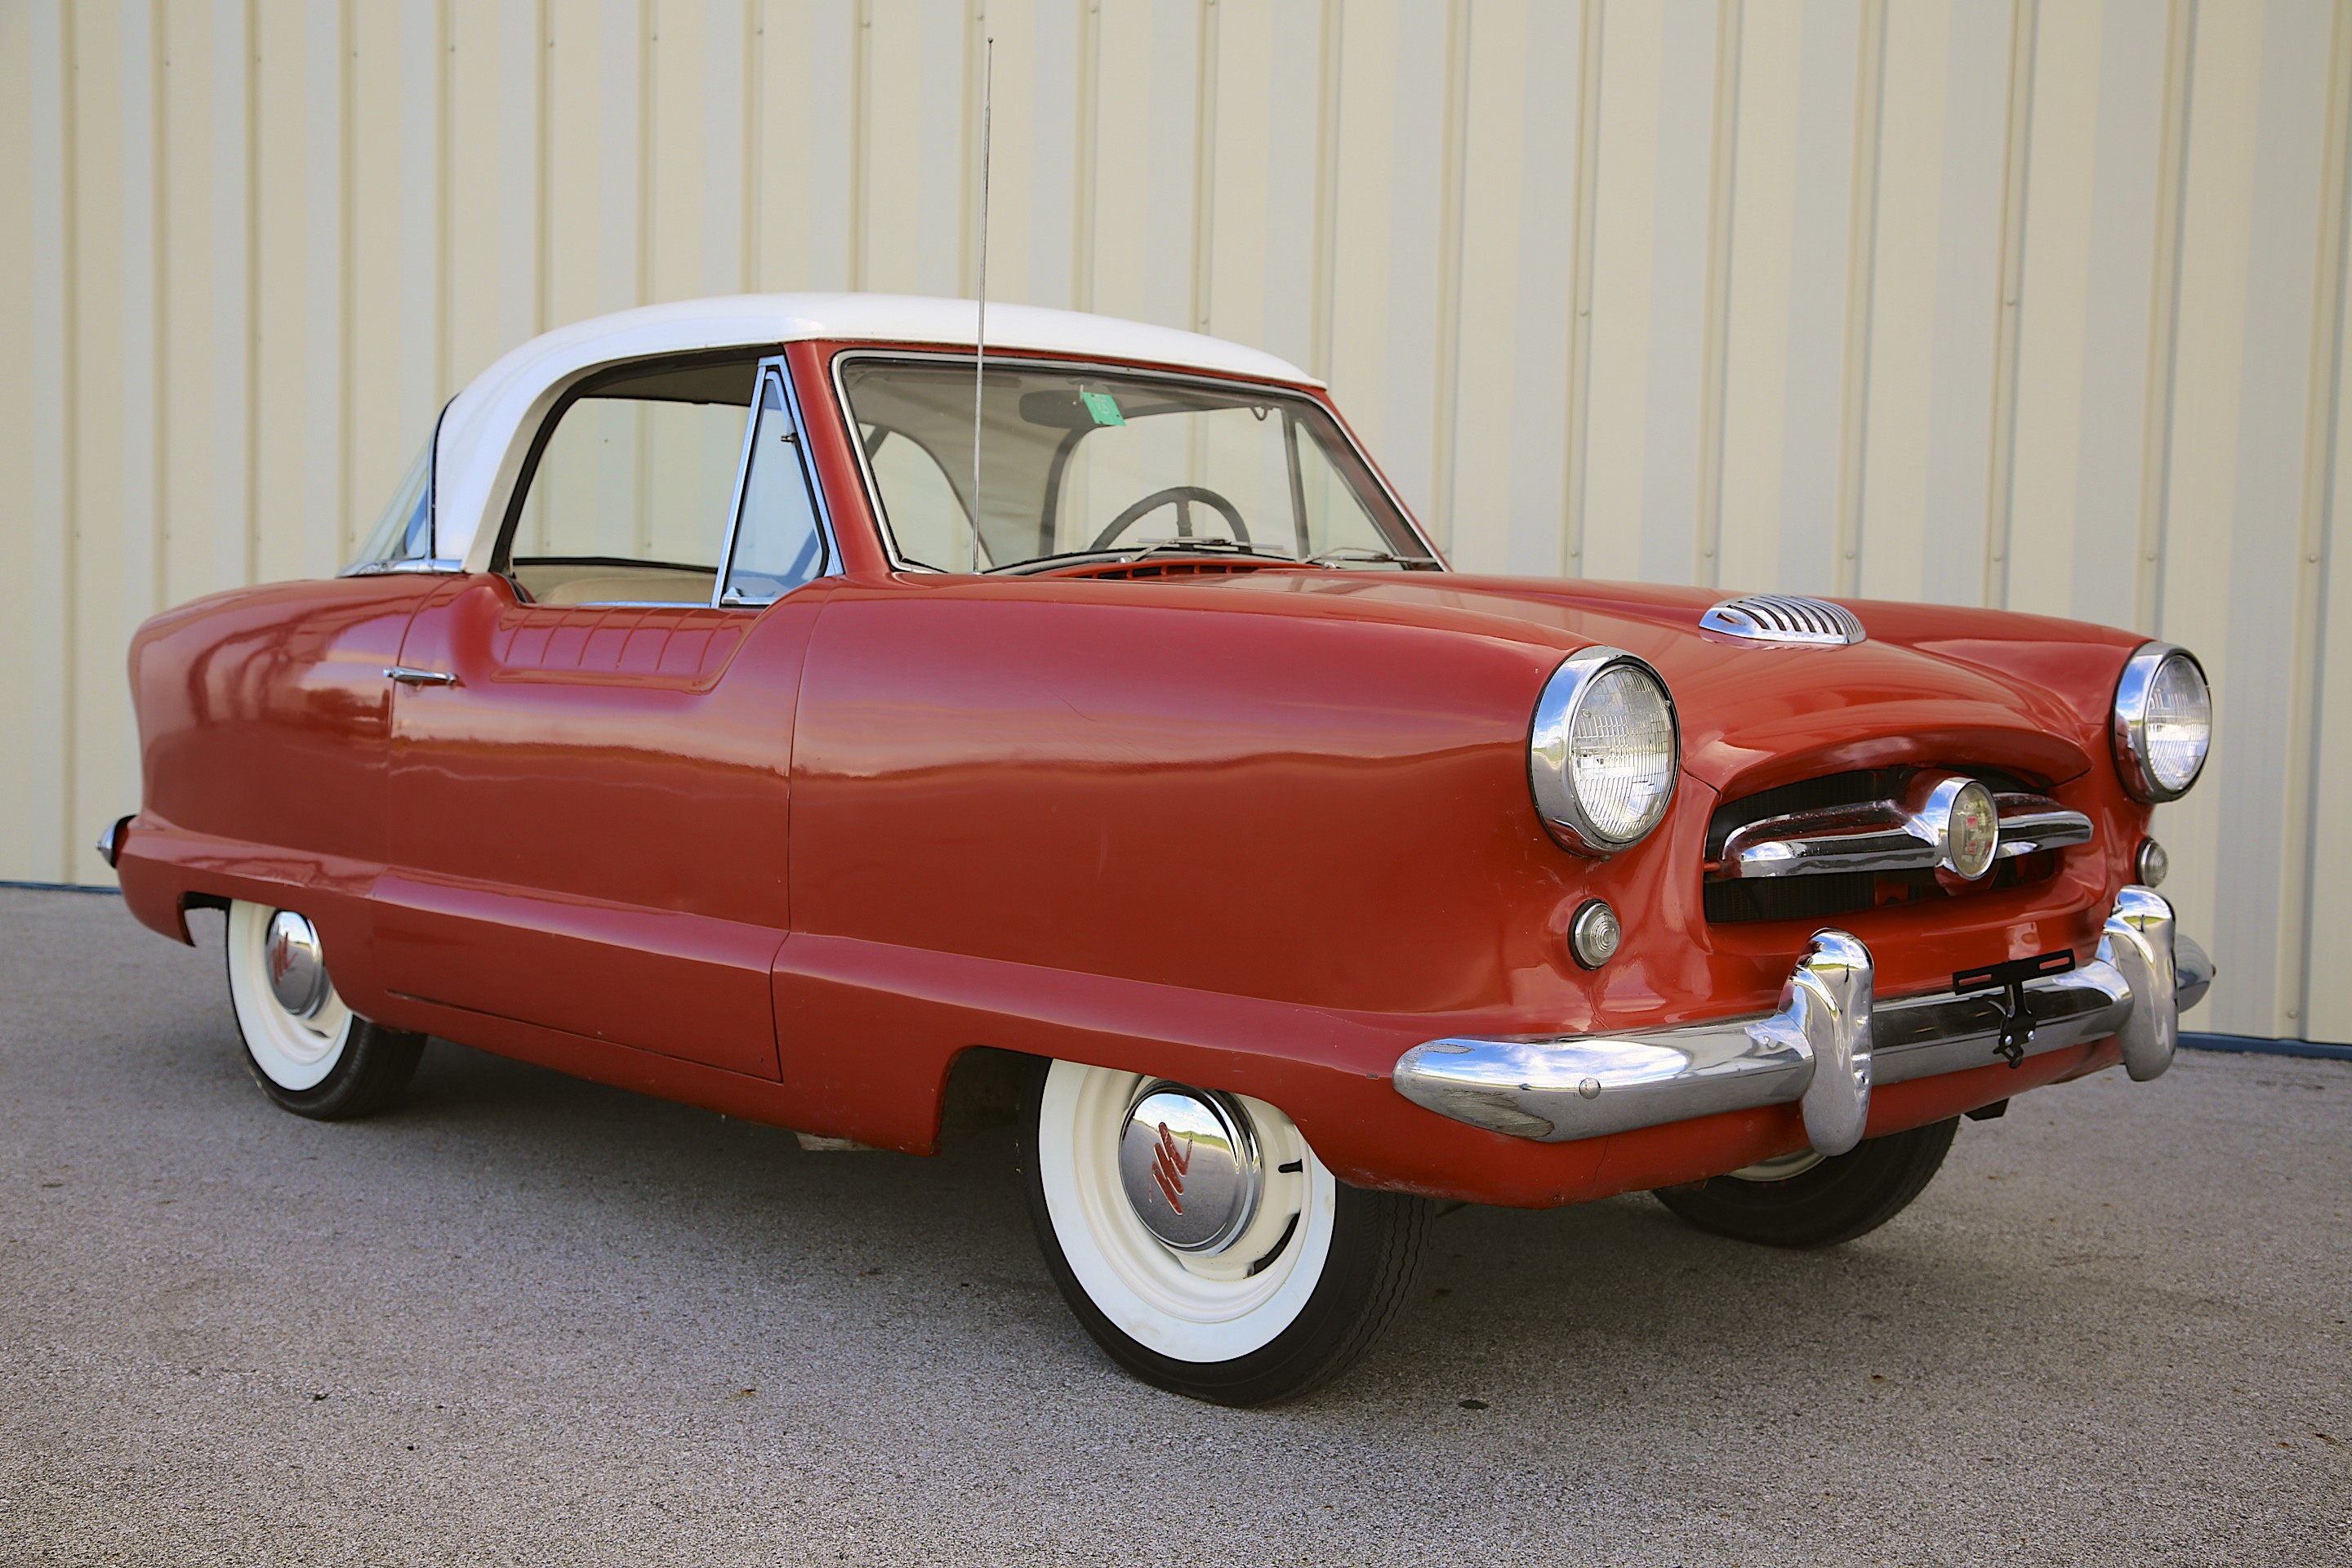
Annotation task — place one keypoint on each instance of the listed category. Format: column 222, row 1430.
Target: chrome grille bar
column 1880, row 836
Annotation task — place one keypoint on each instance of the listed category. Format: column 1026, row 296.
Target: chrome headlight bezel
column 2128, row 728
column 1557, row 800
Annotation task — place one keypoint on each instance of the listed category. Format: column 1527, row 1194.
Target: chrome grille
column 2035, row 831
column 1785, row 618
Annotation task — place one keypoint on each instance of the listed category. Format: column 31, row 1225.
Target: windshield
column 1105, row 465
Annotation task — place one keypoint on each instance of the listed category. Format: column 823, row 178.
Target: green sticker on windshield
column 1103, row 407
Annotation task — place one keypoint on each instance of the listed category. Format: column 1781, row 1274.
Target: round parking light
column 1594, row 934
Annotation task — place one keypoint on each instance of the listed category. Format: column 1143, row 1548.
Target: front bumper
column 1827, row 1043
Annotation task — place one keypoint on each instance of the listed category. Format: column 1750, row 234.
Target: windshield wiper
column 1035, row 563
column 1149, row 547
column 1358, row 553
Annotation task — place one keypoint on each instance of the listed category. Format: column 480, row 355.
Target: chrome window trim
column 1063, row 362
column 774, row 365
column 511, row 507
column 405, row 564
column 433, row 483
column 435, row 561
column 1555, row 798
column 2128, row 727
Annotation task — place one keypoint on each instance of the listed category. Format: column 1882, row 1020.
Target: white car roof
column 486, row 430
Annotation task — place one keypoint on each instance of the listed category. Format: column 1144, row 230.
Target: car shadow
column 1577, row 1310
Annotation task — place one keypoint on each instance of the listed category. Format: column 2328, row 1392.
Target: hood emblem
column 1785, row 618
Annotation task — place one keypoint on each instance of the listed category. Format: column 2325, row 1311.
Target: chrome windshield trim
column 1884, row 836
column 1827, row 1045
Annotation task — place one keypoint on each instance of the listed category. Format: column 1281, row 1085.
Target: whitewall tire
column 1223, row 1262
column 308, row 1051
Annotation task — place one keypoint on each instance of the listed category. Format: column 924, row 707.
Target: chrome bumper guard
column 1827, row 1043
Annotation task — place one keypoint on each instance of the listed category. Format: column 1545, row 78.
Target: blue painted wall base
column 2252, row 1046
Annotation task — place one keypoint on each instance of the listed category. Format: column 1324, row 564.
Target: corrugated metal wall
column 2036, row 304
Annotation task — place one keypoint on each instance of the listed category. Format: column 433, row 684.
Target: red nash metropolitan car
column 737, row 705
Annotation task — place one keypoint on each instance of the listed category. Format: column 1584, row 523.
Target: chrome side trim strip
column 1830, row 1041
column 1882, row 836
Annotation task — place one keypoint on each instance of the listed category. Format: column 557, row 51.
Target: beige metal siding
column 2039, row 303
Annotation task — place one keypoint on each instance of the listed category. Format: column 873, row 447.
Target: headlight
column 1604, row 751
column 2163, row 724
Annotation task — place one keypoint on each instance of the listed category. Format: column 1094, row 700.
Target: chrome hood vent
column 1785, row 618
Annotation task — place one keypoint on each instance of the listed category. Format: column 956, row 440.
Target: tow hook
column 2016, row 1012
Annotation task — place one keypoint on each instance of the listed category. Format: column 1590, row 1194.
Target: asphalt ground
column 527, row 1319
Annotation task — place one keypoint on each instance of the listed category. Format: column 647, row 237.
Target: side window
column 404, row 532
column 628, row 502
column 779, row 544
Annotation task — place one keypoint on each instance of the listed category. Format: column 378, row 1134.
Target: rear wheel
column 1201, row 1242
column 308, row 1051
column 1809, row 1200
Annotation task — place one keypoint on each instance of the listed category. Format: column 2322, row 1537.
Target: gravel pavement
column 527, row 1319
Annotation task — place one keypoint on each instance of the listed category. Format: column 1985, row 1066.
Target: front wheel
column 309, row 1053
column 1811, row 1200
column 1201, row 1242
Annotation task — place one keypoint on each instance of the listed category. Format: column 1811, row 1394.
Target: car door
column 592, row 743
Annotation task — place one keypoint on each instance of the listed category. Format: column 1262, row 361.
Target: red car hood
column 1931, row 684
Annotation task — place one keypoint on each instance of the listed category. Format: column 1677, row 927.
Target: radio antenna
column 980, row 335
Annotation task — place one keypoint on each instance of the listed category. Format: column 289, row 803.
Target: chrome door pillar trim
column 777, row 366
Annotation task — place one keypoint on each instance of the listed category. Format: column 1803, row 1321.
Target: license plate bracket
column 2009, row 978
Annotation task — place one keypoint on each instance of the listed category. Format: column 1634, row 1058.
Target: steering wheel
column 1183, row 496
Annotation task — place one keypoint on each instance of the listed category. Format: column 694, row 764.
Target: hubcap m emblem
column 1168, row 1167
column 1188, row 1162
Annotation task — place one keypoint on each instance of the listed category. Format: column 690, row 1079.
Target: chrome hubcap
column 1188, row 1162
column 298, row 973
column 1781, row 1167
